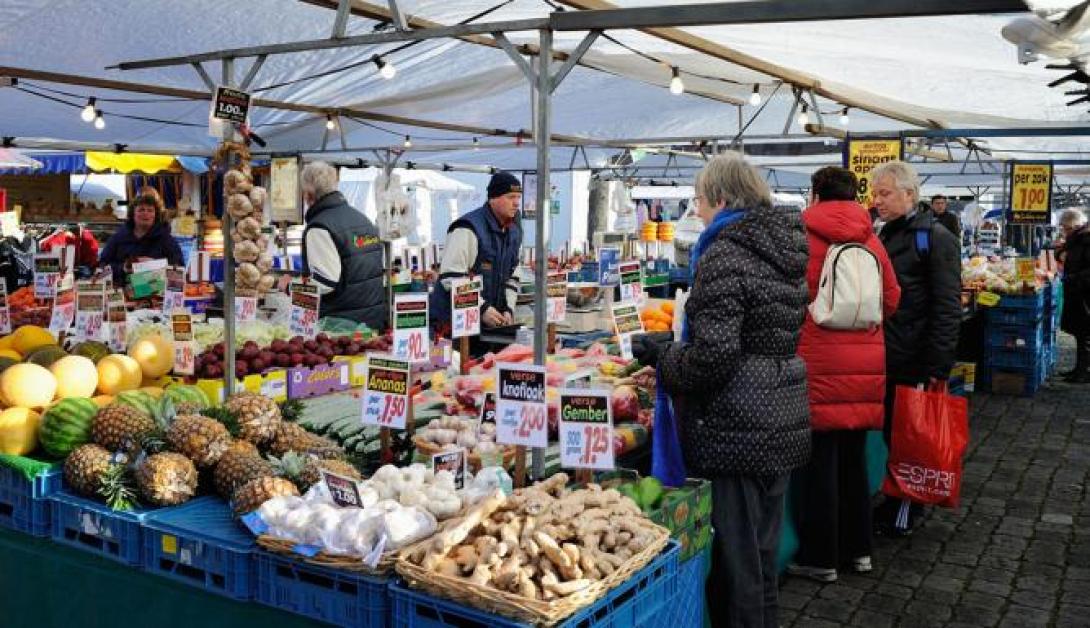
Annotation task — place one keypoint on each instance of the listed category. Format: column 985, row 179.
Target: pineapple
column 84, row 468
column 238, row 465
column 291, row 437
column 188, row 407
column 167, row 479
column 251, row 495
column 120, row 427
column 306, row 470
column 258, row 417
column 201, row 439
column 116, row 487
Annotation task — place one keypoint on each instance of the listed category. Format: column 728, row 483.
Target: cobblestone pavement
column 1016, row 553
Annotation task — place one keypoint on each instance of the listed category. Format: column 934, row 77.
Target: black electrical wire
column 100, row 99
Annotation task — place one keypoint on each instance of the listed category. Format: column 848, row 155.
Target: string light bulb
column 804, row 117
column 408, row 142
column 844, row 119
column 329, row 123
column 99, row 122
column 677, row 86
column 88, row 113
column 476, row 144
column 385, row 69
column 755, row 97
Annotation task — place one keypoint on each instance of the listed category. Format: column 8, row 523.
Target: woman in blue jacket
column 144, row 236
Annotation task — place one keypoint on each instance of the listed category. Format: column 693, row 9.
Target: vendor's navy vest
column 360, row 295
column 497, row 258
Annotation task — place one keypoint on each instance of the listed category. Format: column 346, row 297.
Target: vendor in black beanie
column 485, row 242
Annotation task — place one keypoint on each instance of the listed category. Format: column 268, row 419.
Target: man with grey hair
column 1075, row 318
column 342, row 252
column 922, row 335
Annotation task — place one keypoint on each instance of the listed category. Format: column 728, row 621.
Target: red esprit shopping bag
column 930, row 433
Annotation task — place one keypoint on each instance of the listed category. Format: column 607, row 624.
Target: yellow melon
column 117, row 373
column 18, row 431
column 76, row 376
column 29, row 337
column 155, row 355
column 11, row 353
column 102, row 400
column 7, row 342
column 27, row 385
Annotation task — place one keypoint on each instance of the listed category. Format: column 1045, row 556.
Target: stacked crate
column 1020, row 347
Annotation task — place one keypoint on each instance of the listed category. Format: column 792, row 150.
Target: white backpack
column 850, row 293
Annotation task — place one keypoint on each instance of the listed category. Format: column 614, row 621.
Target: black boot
column 1081, row 374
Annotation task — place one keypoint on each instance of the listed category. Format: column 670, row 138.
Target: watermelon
column 185, row 393
column 67, row 425
column 45, row 356
column 138, row 399
column 92, row 350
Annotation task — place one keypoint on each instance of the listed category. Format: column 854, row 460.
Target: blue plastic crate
column 1004, row 337
column 998, row 316
column 334, row 596
column 199, row 543
column 1028, row 380
column 24, row 506
column 686, row 610
column 640, row 602
column 1035, row 301
column 1014, row 358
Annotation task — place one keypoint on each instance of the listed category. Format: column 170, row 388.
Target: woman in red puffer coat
column 847, row 374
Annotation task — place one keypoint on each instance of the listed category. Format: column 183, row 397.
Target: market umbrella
column 11, row 158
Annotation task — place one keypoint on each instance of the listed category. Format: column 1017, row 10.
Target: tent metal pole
column 340, row 23
column 228, row 265
column 208, row 82
column 541, row 253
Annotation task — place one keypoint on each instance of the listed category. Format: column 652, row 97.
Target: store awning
column 52, row 163
column 131, row 162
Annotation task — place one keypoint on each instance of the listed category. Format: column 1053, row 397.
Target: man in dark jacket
column 1075, row 319
column 485, row 242
column 945, row 217
column 922, row 336
column 342, row 252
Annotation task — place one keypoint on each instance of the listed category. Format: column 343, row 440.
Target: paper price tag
column 453, row 461
column 626, row 322
column 386, row 392
column 90, row 310
column 116, row 316
column 465, row 307
column 488, row 411
column 1026, row 269
column 305, row 302
column 608, row 258
column 47, row 272
column 5, row 315
column 556, row 298
column 185, row 357
column 411, row 340
column 344, row 491
column 64, row 311
column 245, row 309
column 631, row 280
column 585, row 430
column 521, row 413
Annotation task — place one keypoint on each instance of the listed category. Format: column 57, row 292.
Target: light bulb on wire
column 804, row 117
column 329, row 123
column 755, row 97
column 88, row 113
column 99, row 122
column 844, row 119
column 408, row 142
column 385, row 69
column 476, row 144
column 677, row 86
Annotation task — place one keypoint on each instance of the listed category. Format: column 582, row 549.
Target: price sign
column 864, row 154
column 608, row 257
column 411, row 339
column 9, row 223
column 5, row 314
column 586, row 429
column 47, row 272
column 626, row 322
column 1031, row 193
column 521, row 413
column 465, row 307
column 631, row 280
column 231, row 105
column 488, row 411
column 174, row 296
column 90, row 310
column 1026, row 269
column 556, row 292
column 453, row 461
column 245, row 309
column 344, row 491
column 386, row 392
column 64, row 310
column 304, row 308
column 988, row 299
column 116, row 314
column 185, row 357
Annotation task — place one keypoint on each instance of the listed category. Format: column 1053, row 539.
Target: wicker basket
column 429, row 448
column 537, row 612
column 332, row 561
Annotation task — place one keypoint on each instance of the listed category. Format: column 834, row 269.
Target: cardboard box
column 320, row 380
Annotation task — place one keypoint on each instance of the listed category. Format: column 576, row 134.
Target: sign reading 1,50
column 393, row 407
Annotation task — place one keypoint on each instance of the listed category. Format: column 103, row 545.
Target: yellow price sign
column 1031, row 193
column 1025, row 268
column 988, row 299
column 866, row 154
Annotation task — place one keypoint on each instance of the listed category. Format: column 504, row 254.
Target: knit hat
column 503, row 183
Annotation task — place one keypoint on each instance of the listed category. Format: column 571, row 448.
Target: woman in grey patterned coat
column 738, row 387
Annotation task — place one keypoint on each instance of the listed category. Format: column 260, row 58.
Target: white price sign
column 90, row 310
column 47, row 272
column 411, row 340
column 386, row 392
column 115, row 321
column 5, row 315
column 305, row 302
column 626, row 322
column 631, row 280
column 586, row 429
column 245, row 309
column 64, row 311
column 185, row 357
column 521, row 413
column 465, row 307
column 174, row 295
column 557, row 298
